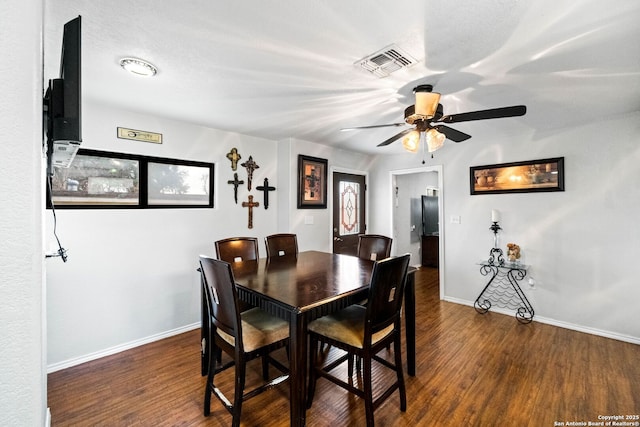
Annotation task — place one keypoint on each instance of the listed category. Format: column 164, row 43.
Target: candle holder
column 495, row 255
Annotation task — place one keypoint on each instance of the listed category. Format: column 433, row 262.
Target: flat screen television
column 63, row 102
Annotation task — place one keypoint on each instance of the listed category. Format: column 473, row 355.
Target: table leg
column 410, row 322
column 297, row 369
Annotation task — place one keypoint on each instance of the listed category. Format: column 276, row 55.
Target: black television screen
column 64, row 101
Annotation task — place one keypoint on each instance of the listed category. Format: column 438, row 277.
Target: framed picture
column 312, row 182
column 518, row 177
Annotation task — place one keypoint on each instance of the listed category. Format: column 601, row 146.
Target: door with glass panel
column 348, row 212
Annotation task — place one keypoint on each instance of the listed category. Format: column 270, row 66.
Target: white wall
column 317, row 236
column 131, row 275
column 582, row 244
column 23, row 390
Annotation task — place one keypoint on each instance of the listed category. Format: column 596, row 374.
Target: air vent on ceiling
column 386, row 61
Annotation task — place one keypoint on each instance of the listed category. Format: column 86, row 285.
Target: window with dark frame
column 104, row 180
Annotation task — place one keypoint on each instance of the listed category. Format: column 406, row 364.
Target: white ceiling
column 281, row 69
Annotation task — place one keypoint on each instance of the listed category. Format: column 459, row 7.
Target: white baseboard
column 119, row 348
column 558, row 323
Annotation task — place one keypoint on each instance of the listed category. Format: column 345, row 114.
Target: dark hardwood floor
column 472, row 370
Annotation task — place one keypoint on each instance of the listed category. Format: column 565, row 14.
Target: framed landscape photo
column 518, row 177
column 312, row 182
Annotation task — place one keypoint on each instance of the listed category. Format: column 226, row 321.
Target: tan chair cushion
column 347, row 326
column 259, row 328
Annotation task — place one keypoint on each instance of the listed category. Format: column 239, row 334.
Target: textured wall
column 22, row 373
column 582, row 244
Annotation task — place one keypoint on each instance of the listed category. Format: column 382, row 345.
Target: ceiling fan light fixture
column 435, row 140
column 411, row 142
column 427, row 104
column 139, row 67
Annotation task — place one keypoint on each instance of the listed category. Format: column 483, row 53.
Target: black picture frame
column 107, row 180
column 312, row 182
column 531, row 176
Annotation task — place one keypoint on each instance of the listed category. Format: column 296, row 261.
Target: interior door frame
column 422, row 169
column 339, row 169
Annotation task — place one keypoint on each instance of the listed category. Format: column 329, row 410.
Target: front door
column 348, row 212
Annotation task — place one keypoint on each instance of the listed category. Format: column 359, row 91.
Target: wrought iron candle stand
column 502, row 287
column 495, row 255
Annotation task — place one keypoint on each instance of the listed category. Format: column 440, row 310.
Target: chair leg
column 239, row 392
column 313, row 360
column 401, row 389
column 368, row 391
column 208, row 389
column 218, row 354
column 350, row 366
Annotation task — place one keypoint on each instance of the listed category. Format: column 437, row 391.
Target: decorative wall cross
column 250, row 165
column 234, row 156
column 265, row 189
column 313, row 180
column 250, row 204
column 235, row 182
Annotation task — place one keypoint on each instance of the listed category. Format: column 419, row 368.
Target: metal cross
column 312, row 179
column 234, row 156
column 250, row 165
column 235, row 182
column 265, row 189
column 250, row 204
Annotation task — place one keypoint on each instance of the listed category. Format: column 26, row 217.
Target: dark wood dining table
column 302, row 288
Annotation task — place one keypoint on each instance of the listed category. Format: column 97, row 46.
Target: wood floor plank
column 472, row 370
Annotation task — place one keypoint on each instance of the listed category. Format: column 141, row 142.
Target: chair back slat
column 385, row 293
column 282, row 244
column 221, row 296
column 236, row 249
column 374, row 247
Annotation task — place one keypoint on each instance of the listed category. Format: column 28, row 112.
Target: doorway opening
column 413, row 229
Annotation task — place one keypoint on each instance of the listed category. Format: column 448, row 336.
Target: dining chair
column 236, row 249
column 243, row 336
column 282, row 244
column 364, row 332
column 374, row 246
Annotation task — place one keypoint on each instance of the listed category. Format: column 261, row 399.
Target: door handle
column 337, row 239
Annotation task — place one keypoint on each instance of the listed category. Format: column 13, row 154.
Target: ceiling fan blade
column 372, row 127
column 393, row 138
column 494, row 113
column 452, row 134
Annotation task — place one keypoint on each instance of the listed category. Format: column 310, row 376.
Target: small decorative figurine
column 235, row 182
column 265, row 189
column 513, row 252
column 234, row 156
column 250, row 204
column 250, row 165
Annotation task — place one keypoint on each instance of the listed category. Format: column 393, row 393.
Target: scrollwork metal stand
column 502, row 287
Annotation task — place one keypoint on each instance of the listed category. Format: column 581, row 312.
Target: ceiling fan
column 427, row 115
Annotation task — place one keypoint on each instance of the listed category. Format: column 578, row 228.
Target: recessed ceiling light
column 139, row 67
